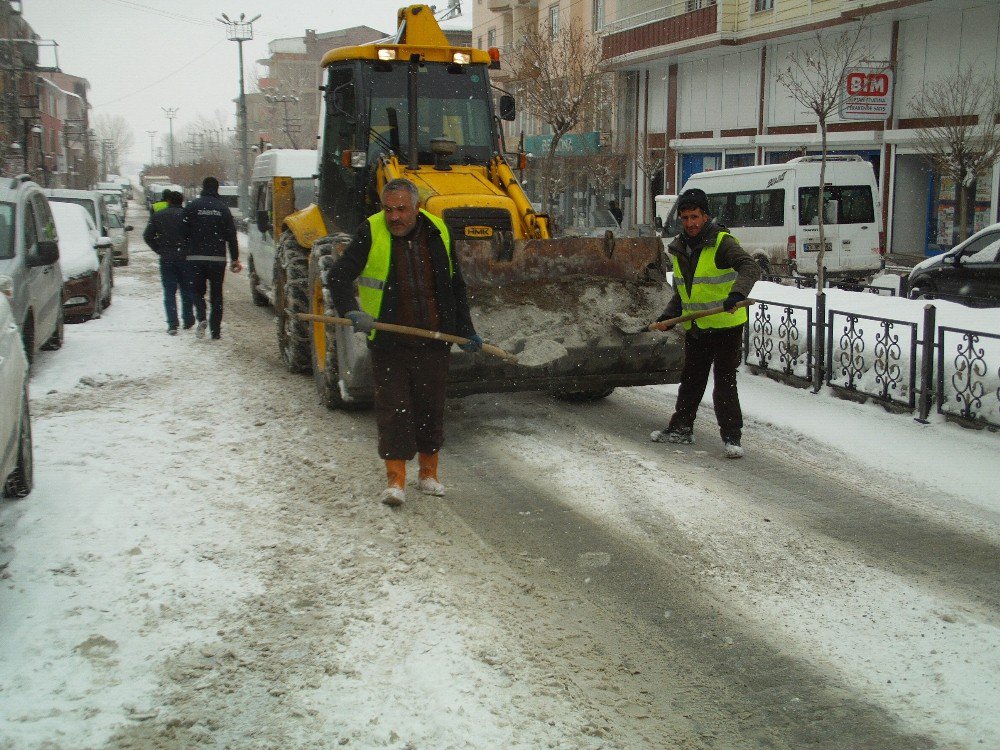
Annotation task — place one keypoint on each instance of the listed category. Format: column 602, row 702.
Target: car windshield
column 6, row 231
column 114, row 221
column 87, row 203
column 452, row 102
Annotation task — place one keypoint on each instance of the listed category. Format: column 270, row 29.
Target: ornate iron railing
column 778, row 338
column 878, row 360
column 968, row 386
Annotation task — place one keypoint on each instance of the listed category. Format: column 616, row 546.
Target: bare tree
column 963, row 141
column 558, row 78
column 815, row 77
column 115, row 130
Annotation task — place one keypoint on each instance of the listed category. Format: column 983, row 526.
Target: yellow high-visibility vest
column 709, row 288
column 371, row 283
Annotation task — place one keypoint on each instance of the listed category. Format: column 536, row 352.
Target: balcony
column 675, row 22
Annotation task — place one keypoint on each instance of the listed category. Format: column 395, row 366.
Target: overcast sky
column 141, row 55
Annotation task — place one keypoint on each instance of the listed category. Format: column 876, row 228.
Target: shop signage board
column 866, row 94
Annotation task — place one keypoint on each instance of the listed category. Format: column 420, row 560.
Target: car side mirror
column 508, row 107
column 263, row 221
column 129, row 227
column 45, row 253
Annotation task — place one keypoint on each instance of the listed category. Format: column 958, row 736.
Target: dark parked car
column 85, row 259
column 968, row 273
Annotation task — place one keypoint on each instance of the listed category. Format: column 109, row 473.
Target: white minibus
column 773, row 211
column 281, row 183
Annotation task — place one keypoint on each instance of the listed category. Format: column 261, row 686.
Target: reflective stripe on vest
column 371, row 283
column 709, row 289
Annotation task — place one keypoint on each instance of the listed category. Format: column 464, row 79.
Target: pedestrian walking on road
column 408, row 276
column 710, row 270
column 165, row 236
column 163, row 202
column 209, row 229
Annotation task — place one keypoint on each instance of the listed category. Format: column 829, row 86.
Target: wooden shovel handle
column 423, row 333
column 670, row 322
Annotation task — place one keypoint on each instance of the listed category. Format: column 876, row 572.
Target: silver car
column 16, row 467
column 29, row 259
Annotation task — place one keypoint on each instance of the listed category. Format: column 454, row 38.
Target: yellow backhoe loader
column 418, row 107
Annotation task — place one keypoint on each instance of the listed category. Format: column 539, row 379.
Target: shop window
column 491, row 38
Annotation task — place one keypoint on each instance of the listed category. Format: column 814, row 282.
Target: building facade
column 588, row 172
column 701, row 83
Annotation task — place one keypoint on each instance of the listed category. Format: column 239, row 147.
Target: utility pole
column 171, row 113
column 152, row 135
column 239, row 31
column 290, row 124
column 106, row 146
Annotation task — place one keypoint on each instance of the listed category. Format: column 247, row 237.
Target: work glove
column 362, row 321
column 732, row 300
column 475, row 344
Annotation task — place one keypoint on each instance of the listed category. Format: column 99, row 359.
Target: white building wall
column 782, row 109
column 718, row 92
column 935, row 46
column 656, row 121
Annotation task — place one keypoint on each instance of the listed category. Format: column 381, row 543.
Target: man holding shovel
column 408, row 276
column 711, row 270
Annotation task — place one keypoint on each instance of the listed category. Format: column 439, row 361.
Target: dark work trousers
column 208, row 274
column 175, row 276
column 721, row 348
column 409, row 399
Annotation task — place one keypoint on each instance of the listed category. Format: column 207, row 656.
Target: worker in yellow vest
column 409, row 276
column 710, row 270
column 163, row 202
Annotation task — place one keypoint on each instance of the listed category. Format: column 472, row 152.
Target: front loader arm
column 535, row 226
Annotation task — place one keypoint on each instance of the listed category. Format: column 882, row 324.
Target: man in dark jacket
column 209, row 228
column 409, row 276
column 711, row 270
column 165, row 237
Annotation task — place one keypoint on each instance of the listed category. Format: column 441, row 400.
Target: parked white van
column 281, row 183
column 773, row 210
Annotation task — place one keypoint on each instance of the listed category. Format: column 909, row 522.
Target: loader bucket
column 556, row 305
column 490, row 264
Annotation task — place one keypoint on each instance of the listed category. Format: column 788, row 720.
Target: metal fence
column 889, row 361
column 968, row 386
column 878, row 360
column 783, row 345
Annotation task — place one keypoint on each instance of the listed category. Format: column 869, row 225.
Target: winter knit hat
column 693, row 198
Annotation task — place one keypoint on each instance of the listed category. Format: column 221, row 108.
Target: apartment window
column 491, row 38
column 554, row 21
column 698, row 4
column 762, row 5
column 598, row 15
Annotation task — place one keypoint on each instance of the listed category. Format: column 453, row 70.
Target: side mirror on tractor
column 508, row 108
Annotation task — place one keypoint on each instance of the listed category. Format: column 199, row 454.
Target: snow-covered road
column 203, row 564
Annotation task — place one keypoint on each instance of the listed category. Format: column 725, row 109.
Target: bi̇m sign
column 867, row 94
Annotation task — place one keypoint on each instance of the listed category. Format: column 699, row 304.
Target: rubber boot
column 395, row 470
column 429, row 484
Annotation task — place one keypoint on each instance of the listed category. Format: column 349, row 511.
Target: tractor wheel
column 291, row 296
column 325, row 366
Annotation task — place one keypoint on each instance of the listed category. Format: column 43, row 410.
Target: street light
column 171, row 113
column 241, row 30
column 151, row 134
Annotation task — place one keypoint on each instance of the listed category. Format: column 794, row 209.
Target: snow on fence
column 881, row 349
